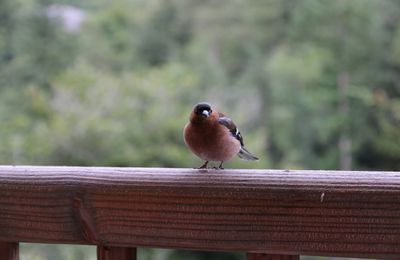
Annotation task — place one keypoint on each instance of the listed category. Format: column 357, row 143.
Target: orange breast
column 211, row 141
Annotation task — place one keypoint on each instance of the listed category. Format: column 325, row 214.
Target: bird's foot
column 219, row 167
column 204, row 166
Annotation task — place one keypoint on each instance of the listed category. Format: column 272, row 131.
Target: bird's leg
column 204, row 166
column 220, row 165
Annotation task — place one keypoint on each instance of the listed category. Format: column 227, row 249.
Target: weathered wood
column 280, row 212
column 260, row 256
column 116, row 253
column 9, row 251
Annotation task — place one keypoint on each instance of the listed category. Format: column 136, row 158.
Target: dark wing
column 228, row 123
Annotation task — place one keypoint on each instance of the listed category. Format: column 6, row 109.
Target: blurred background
column 312, row 84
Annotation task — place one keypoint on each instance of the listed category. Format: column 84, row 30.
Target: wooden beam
column 116, row 253
column 333, row 213
column 9, row 251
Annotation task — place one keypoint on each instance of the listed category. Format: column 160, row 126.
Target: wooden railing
column 270, row 214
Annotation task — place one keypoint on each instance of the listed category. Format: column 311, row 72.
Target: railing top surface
column 182, row 176
column 334, row 213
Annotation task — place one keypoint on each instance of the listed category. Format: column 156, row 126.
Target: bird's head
column 202, row 110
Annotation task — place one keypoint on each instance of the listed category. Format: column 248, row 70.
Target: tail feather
column 246, row 155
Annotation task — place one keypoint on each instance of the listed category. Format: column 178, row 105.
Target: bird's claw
column 204, row 166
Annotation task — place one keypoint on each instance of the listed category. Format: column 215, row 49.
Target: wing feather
column 228, row 123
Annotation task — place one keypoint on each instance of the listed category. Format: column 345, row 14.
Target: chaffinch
column 212, row 136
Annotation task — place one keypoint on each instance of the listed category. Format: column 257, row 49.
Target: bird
column 212, row 136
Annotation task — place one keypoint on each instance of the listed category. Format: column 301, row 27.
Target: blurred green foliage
column 312, row 83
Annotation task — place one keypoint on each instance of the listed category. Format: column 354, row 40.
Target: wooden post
column 9, row 251
column 116, row 253
column 261, row 256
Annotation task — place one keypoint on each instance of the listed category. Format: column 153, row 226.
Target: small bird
column 212, row 136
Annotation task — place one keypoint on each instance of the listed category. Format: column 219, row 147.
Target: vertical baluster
column 116, row 253
column 9, row 251
column 261, row 256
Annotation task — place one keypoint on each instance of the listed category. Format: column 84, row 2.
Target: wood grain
column 280, row 212
column 9, row 251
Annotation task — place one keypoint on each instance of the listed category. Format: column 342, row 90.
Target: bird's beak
column 205, row 113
